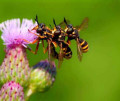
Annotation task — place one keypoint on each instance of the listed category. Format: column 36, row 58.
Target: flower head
column 11, row 91
column 15, row 66
column 14, row 31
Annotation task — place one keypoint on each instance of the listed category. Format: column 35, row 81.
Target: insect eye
column 69, row 26
column 39, row 30
column 58, row 27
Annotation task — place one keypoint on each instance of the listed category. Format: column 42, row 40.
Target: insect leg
column 46, row 50
column 43, row 46
column 30, row 42
column 37, row 40
column 33, row 33
column 68, row 41
column 42, row 37
column 37, row 47
column 27, row 47
column 54, row 43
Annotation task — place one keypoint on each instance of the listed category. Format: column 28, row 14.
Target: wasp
column 42, row 33
column 73, row 33
column 59, row 37
column 67, row 53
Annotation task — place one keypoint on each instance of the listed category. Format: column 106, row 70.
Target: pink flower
column 15, row 66
column 14, row 31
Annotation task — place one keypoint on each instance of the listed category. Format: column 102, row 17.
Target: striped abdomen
column 84, row 45
column 67, row 53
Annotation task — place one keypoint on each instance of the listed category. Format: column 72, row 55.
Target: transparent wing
column 49, row 53
column 60, row 57
column 79, row 52
column 62, row 24
column 83, row 25
column 54, row 53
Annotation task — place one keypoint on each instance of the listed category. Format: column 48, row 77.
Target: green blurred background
column 97, row 77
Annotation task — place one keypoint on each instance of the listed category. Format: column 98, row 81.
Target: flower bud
column 42, row 77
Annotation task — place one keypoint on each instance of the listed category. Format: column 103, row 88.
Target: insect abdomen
column 68, row 53
column 84, row 45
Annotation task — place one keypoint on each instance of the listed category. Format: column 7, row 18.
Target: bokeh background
column 97, row 77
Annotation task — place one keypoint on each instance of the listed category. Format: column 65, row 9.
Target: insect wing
column 79, row 52
column 60, row 57
column 83, row 25
column 54, row 54
column 62, row 24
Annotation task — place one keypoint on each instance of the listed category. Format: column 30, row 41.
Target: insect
column 42, row 33
column 67, row 53
column 73, row 33
column 59, row 38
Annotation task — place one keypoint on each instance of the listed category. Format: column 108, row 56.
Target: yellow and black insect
column 73, row 33
column 56, row 37
column 42, row 33
column 59, row 37
column 67, row 53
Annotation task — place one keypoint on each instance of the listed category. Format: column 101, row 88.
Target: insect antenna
column 36, row 19
column 65, row 21
column 54, row 22
column 50, row 26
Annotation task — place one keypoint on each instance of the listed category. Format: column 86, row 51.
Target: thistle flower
column 15, row 66
column 11, row 91
column 42, row 77
column 13, row 32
